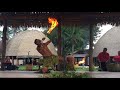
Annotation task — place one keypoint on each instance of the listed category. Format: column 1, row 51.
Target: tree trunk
column 12, row 60
column 59, row 38
column 91, row 49
column 61, row 65
column 4, row 38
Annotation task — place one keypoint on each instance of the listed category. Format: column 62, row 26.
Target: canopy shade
column 28, row 19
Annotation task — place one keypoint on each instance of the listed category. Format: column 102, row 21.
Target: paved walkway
column 32, row 74
column 19, row 74
column 101, row 74
column 105, row 74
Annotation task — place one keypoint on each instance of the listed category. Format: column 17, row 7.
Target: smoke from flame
column 53, row 23
column 82, row 61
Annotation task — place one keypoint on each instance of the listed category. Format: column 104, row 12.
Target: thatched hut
column 22, row 45
column 109, row 40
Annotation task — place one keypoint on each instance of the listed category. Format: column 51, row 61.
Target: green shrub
column 23, row 67
column 35, row 67
column 69, row 75
column 86, row 68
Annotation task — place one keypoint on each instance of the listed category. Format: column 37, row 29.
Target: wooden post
column 91, row 48
column 59, row 38
column 17, row 62
column 12, row 60
column 4, row 38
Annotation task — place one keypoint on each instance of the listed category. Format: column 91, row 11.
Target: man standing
column 103, row 57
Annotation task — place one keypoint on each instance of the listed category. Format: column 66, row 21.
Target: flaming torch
column 82, row 61
column 53, row 23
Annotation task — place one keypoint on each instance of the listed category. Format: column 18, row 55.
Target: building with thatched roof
column 109, row 40
column 22, row 45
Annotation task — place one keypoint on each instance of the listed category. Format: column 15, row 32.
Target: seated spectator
column 34, row 62
column 8, row 63
column 117, row 58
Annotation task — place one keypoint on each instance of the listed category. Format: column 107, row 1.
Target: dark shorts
column 103, row 66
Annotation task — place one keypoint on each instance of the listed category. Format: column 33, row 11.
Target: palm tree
column 74, row 38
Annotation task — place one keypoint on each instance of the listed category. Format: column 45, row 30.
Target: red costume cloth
column 116, row 58
column 103, row 57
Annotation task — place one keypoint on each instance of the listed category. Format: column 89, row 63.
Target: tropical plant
column 12, row 32
column 74, row 38
column 69, row 75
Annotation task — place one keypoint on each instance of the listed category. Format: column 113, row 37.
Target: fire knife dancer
column 48, row 57
column 43, row 49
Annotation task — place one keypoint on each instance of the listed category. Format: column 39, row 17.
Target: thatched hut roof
column 23, row 43
column 110, row 40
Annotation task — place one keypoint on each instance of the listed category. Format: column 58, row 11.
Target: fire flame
column 82, row 61
column 53, row 23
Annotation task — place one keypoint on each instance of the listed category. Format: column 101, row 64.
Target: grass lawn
column 60, row 74
column 67, row 74
column 23, row 67
column 77, row 68
column 84, row 68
